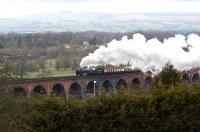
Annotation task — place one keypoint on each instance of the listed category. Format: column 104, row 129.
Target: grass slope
column 54, row 73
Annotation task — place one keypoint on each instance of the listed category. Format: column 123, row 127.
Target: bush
column 175, row 110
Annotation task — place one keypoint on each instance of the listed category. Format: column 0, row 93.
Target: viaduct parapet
column 83, row 86
column 80, row 86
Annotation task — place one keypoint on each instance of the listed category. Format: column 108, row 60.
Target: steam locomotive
column 102, row 71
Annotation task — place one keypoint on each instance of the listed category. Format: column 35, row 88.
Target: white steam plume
column 182, row 52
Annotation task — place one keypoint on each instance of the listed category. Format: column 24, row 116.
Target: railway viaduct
column 79, row 86
column 83, row 86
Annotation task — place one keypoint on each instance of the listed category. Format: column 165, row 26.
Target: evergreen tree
column 169, row 76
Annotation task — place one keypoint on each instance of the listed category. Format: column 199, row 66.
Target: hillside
column 84, row 21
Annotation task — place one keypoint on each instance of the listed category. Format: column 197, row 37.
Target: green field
column 53, row 73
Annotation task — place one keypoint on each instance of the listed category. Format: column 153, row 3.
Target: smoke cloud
column 183, row 52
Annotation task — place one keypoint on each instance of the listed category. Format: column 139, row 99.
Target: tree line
column 33, row 52
column 51, row 39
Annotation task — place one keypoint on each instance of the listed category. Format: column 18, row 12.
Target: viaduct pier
column 83, row 86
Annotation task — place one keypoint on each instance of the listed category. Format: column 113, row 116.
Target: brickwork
column 84, row 86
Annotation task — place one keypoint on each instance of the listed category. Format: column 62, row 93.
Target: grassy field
column 53, row 73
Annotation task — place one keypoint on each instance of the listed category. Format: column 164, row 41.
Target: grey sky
column 81, row 0
column 12, row 8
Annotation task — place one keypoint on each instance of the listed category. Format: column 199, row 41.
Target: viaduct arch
column 84, row 86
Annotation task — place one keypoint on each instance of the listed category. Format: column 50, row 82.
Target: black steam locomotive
column 89, row 72
column 101, row 71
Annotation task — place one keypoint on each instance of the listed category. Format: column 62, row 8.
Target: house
column 86, row 44
column 66, row 46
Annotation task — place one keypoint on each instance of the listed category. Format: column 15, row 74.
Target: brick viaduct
column 83, row 86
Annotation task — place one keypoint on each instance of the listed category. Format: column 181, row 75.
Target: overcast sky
column 12, row 8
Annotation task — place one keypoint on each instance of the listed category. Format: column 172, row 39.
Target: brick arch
column 185, row 77
column 195, row 77
column 43, row 84
column 53, row 83
column 39, row 89
column 136, row 82
column 20, row 91
column 107, row 86
column 121, row 84
column 90, row 87
column 148, row 81
column 58, row 89
column 75, row 90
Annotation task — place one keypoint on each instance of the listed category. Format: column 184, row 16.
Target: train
column 102, row 71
